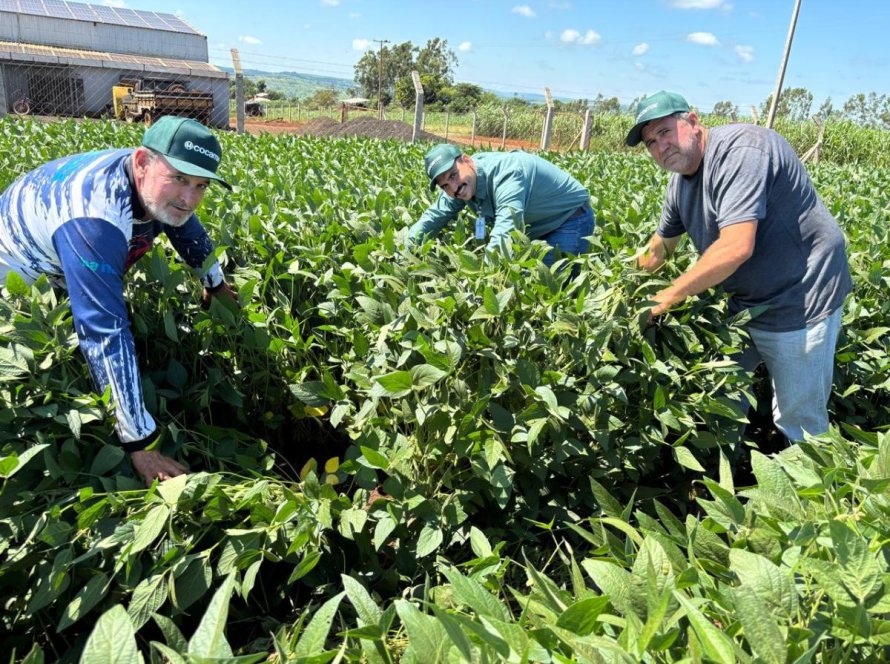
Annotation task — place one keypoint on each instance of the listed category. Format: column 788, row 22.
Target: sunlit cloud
column 330, row 3
column 360, row 44
column 703, row 38
column 640, row 49
column 745, row 53
column 247, row 39
column 465, row 46
column 574, row 37
column 699, row 4
column 524, row 10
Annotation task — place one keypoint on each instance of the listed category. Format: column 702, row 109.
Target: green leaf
column 581, row 617
column 209, row 639
column 315, row 634
column 860, row 572
column 394, row 384
column 84, row 601
column 170, row 490
column 761, row 629
column 112, row 641
column 427, row 637
column 148, row 597
column 15, row 361
column 717, row 645
column 687, row 459
column 472, row 593
column 424, row 375
column 479, row 543
column 171, row 632
column 374, row 458
column 150, row 527
column 108, row 457
column 12, row 464
column 365, row 608
column 429, row 540
column 772, row 584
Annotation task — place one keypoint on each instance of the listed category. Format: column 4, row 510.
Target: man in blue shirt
column 762, row 233
column 84, row 220
column 507, row 191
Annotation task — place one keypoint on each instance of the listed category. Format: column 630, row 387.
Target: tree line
column 384, row 74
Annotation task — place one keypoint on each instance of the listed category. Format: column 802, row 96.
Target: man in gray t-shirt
column 745, row 200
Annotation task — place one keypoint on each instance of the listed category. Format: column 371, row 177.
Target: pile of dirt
column 368, row 127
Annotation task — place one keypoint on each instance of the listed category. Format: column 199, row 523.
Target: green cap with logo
column 439, row 159
column 655, row 106
column 189, row 146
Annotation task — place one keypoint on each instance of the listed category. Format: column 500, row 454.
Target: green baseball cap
column 439, row 159
column 655, row 106
column 189, row 146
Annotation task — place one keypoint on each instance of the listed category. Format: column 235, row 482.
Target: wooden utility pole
column 775, row 104
column 381, row 42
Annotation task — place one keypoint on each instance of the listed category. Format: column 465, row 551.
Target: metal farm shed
column 63, row 58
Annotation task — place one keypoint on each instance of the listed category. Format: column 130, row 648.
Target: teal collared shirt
column 514, row 190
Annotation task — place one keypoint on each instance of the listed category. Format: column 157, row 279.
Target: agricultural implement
column 145, row 100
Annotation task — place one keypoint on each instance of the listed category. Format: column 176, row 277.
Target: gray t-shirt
column 799, row 265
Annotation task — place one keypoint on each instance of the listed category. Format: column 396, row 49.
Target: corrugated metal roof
column 66, row 56
column 81, row 11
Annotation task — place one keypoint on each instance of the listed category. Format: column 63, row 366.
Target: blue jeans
column 571, row 237
column 800, row 365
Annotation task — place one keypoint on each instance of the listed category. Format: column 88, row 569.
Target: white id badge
column 480, row 228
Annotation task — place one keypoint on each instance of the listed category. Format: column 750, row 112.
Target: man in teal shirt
column 507, row 191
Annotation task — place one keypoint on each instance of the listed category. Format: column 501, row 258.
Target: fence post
column 585, row 131
column 548, row 121
column 3, row 102
column 239, row 92
column 754, row 115
column 473, row 131
column 504, row 132
column 418, row 106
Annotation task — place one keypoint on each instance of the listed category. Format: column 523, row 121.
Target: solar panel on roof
column 98, row 13
column 176, row 23
column 57, row 8
column 32, row 7
column 107, row 15
column 154, row 20
column 130, row 17
column 81, row 11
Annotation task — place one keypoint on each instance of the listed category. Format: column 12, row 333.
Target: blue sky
column 709, row 50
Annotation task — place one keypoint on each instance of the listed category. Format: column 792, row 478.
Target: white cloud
column 745, row 53
column 465, row 46
column 354, row 16
column 699, row 4
column 574, row 37
column 360, row 44
column 640, row 49
column 524, row 10
column 330, row 3
column 247, row 39
column 120, row 4
column 703, row 38
column 640, row 66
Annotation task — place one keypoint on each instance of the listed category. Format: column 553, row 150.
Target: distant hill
column 297, row 84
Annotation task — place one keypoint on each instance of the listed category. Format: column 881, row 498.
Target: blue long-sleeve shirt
column 514, row 190
column 76, row 220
